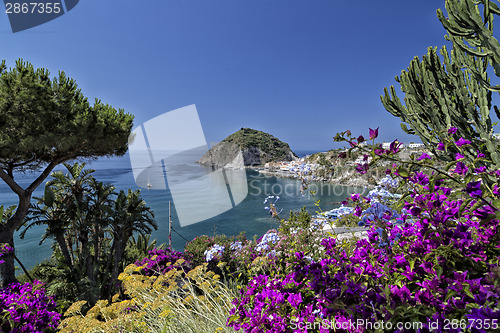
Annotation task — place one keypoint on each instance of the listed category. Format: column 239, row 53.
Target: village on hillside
column 310, row 164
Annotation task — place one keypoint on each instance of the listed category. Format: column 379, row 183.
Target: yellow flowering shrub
column 173, row 302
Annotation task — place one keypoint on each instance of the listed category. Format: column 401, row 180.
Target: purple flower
column 480, row 169
column 474, row 189
column 361, row 139
column 415, row 211
column 440, row 146
column 362, row 168
column 420, row 178
column 295, row 299
column 462, row 142
column 458, row 156
column 394, row 147
column 342, row 155
column 496, row 190
column 373, row 133
column 461, row 168
column 424, row 156
column 355, row 197
column 452, row 130
column 480, row 155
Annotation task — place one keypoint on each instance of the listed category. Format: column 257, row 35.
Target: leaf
column 463, row 206
column 403, row 172
column 496, row 203
column 439, row 271
column 49, row 196
column 449, row 294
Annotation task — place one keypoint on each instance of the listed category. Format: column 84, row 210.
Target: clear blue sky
column 301, row 70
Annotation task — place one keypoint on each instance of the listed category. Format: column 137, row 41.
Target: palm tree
column 63, row 208
column 142, row 245
column 130, row 215
column 90, row 223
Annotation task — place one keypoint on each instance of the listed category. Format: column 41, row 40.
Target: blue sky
column 301, row 70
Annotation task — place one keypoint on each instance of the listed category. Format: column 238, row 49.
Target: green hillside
column 246, row 138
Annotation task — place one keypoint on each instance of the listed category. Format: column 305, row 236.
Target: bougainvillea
column 161, row 261
column 432, row 268
column 27, row 308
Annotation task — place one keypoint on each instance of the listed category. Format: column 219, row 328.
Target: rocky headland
column 247, row 147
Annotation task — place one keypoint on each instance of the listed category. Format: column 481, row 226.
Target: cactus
column 473, row 33
column 452, row 92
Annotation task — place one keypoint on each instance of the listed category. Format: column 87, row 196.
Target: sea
column 249, row 215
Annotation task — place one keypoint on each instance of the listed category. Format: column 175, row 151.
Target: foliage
column 139, row 247
column 274, row 149
column 470, row 29
column 452, row 92
column 200, row 251
column 27, row 308
column 438, row 261
column 90, row 224
column 44, row 122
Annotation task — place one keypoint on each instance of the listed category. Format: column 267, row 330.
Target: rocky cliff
column 247, row 147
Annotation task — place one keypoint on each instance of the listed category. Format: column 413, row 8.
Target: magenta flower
column 361, row 139
column 458, row 156
column 424, row 156
column 461, row 168
column 452, row 130
column 480, row 169
column 462, row 142
column 496, row 190
column 362, row 168
column 373, row 133
column 394, row 147
column 480, row 155
column 420, row 178
column 295, row 299
column 440, row 146
column 474, row 189
column 342, row 155
column 355, row 197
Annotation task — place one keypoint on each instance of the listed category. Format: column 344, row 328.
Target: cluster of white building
column 301, row 164
column 292, row 166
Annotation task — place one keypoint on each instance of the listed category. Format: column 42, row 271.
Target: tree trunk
column 7, row 269
column 87, row 259
column 64, row 250
column 118, row 249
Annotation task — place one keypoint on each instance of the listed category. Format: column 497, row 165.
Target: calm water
column 249, row 216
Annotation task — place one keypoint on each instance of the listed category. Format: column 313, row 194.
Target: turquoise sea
column 249, row 216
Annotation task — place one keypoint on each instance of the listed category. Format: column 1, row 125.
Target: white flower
column 236, row 246
column 214, row 250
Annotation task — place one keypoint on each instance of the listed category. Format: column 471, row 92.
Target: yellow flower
column 165, row 313
column 74, row 308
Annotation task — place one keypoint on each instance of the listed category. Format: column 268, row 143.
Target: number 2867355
column 33, row 8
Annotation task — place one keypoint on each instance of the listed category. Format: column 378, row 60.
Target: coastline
column 347, row 179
